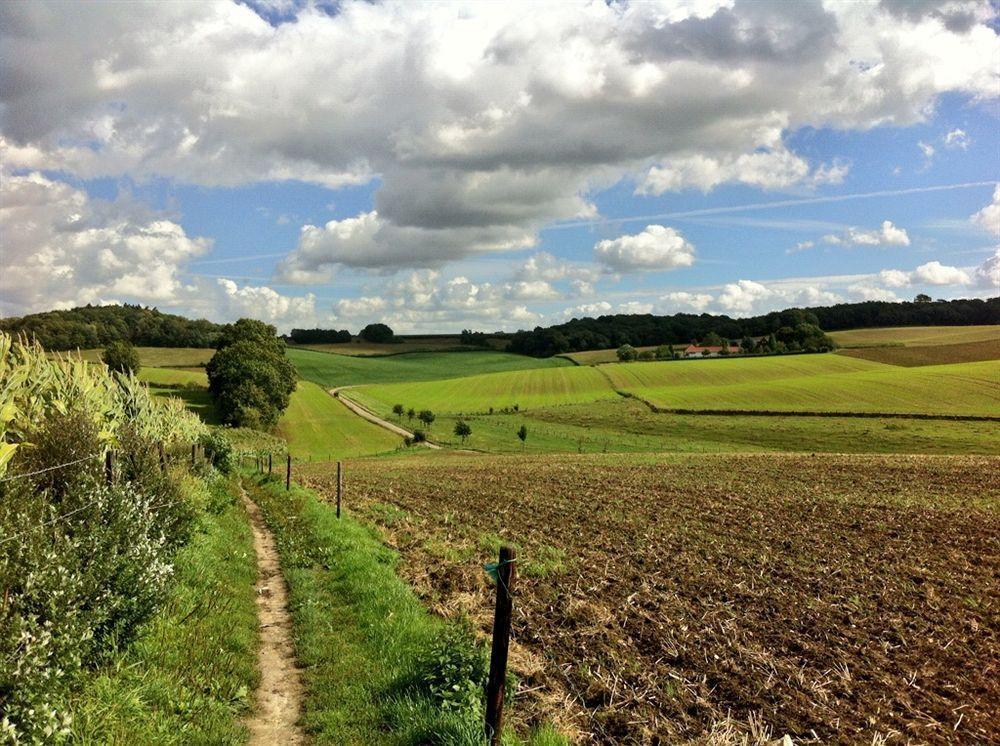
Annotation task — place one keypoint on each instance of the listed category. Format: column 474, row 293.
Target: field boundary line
column 367, row 414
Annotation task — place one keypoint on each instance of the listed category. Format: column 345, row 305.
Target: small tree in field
column 427, row 417
column 462, row 430
column 410, row 414
column 397, row 409
column 522, row 435
column 627, row 353
column 121, row 357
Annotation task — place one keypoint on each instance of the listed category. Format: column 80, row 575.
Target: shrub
column 463, row 430
column 454, row 671
column 627, row 353
column 121, row 357
column 377, row 333
column 219, row 450
column 419, row 436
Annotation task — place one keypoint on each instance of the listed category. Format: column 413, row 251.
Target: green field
column 915, row 335
column 524, row 389
column 189, row 385
column 961, row 389
column 318, row 427
column 158, row 357
column 332, row 370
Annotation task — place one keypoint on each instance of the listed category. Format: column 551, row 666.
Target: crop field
column 913, row 356
column 159, row 357
column 331, row 370
column 959, row 389
column 318, row 427
column 567, row 384
column 834, row 599
column 626, row 425
column 921, row 336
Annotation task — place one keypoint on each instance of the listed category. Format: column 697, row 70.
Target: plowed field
column 833, row 598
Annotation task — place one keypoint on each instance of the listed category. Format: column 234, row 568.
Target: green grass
column 915, row 335
column 331, row 370
column 962, row 389
column 627, row 425
column 189, row 385
column 318, row 427
column 361, row 635
column 190, row 677
column 938, row 354
column 524, row 388
column 159, row 357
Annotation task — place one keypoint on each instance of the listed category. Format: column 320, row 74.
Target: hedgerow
column 86, row 557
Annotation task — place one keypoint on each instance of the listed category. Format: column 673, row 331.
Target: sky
column 439, row 166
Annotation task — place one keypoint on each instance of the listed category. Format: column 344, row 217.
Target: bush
column 627, row 353
column 219, row 450
column 377, row 333
column 121, row 357
column 419, row 436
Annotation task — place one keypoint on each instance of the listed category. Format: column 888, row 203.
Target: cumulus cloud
column 801, row 246
column 895, row 278
column 935, row 273
column 888, row 235
column 989, row 217
column 489, row 120
column 868, row 291
column 683, row 300
column 61, row 248
column 987, row 274
column 658, row 247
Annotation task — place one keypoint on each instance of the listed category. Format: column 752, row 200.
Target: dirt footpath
column 278, row 700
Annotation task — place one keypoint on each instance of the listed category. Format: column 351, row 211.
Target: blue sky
column 449, row 166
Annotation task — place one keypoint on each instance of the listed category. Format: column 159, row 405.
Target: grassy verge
column 191, row 676
column 378, row 667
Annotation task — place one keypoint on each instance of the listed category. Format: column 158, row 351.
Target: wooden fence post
column 163, row 456
column 269, row 463
column 109, row 467
column 501, row 645
column 340, row 484
column 288, row 473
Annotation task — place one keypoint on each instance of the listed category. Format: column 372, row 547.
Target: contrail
column 237, row 259
column 771, row 205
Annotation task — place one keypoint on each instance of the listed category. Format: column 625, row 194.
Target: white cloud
column 926, row 148
column 743, row 296
column 684, row 300
column 987, row 274
column 770, row 169
column 888, row 235
column 544, row 266
column 532, row 290
column 801, row 246
column 867, row 291
column 957, row 138
column 658, row 247
column 935, row 273
column 488, row 121
column 989, row 217
column 61, row 248
column 895, row 278
column 600, row 308
column 635, row 306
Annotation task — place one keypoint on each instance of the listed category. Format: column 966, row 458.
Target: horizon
column 445, row 166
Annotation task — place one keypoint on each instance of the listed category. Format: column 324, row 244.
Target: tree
column 410, row 414
column 522, row 435
column 922, row 298
column 121, row 357
column 249, row 377
column 646, row 355
column 462, row 430
column 427, row 417
column 252, row 330
column 377, row 333
column 627, row 353
column 712, row 339
column 397, row 409
column 664, row 352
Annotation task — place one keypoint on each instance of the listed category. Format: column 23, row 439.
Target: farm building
column 710, row 350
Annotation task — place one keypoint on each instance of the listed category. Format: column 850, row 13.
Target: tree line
column 647, row 330
column 97, row 326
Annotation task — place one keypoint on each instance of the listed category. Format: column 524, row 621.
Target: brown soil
column 839, row 599
column 279, row 696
